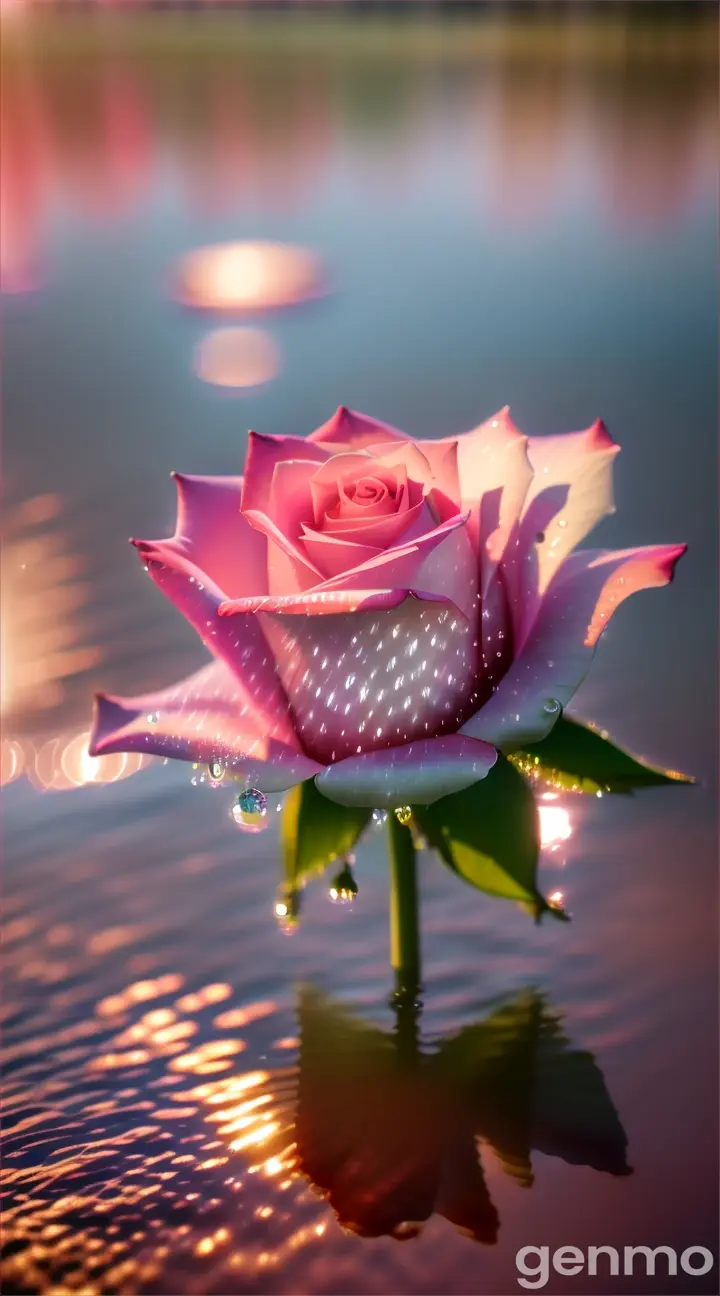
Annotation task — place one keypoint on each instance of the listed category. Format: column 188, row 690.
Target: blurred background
column 444, row 209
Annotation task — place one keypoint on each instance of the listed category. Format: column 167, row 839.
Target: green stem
column 404, row 927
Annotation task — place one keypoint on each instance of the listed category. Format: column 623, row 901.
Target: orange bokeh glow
column 248, row 277
column 237, row 357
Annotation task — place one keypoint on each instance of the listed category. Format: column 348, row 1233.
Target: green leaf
column 488, row 834
column 580, row 758
column 316, row 831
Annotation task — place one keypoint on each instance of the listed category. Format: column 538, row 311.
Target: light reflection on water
column 499, row 227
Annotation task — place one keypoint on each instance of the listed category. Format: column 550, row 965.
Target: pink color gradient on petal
column 347, row 429
column 494, row 474
column 445, row 494
column 418, row 772
column 290, row 568
column 438, row 562
column 239, row 643
column 263, row 453
column 202, row 718
column 319, row 602
column 370, row 679
column 557, row 654
column 211, row 533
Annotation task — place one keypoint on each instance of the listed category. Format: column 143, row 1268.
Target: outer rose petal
column 324, row 603
column 289, row 567
column 212, row 534
column 239, row 643
column 417, row 774
column 557, row 653
column 495, row 474
column 445, row 494
column 348, row 430
column 570, row 492
column 371, row 679
column 202, row 718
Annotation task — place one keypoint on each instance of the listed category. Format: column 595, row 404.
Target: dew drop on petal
column 551, row 705
column 153, row 717
column 379, row 817
column 216, row 770
column 250, row 810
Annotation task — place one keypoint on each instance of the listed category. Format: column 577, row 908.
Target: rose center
column 365, row 491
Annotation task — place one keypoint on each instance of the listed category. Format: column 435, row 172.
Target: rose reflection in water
column 386, row 1130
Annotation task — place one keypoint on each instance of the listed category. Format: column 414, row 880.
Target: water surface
column 510, row 212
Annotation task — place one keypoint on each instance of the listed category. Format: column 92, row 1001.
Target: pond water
column 508, row 209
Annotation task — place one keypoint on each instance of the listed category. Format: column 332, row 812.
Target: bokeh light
column 238, row 277
column 237, row 357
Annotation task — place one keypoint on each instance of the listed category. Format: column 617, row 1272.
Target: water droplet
column 343, row 889
column 379, row 817
column 403, row 814
column 250, row 810
column 551, row 705
column 153, row 717
column 216, row 770
column 287, row 907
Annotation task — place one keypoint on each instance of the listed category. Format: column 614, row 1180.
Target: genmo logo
column 535, row 1262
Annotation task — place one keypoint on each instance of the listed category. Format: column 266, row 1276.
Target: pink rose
column 384, row 614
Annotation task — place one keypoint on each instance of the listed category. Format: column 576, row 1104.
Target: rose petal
column 325, row 482
column 211, row 533
column 439, row 562
column 202, row 718
column 371, row 678
column 317, row 602
column 333, row 556
column 263, row 452
column 495, row 474
column 521, row 559
column 289, row 499
column 432, row 463
column 496, row 634
column 289, row 567
column 445, row 493
column 349, row 429
column 406, row 455
column 346, row 551
column 570, row 492
column 417, row 773
column 557, row 653
column 239, row 642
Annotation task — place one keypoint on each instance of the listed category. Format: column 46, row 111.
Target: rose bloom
column 384, row 614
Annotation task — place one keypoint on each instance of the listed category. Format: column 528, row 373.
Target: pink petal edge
column 241, row 645
column 202, row 718
column 352, row 430
column 417, row 773
column 556, row 656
